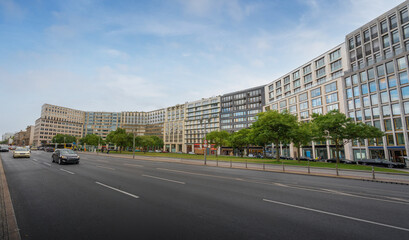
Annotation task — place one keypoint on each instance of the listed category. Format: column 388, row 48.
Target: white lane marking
column 320, row 190
column 35, row 160
column 337, row 215
column 46, row 164
column 164, row 179
column 105, row 167
column 66, row 171
column 118, row 190
column 133, row 165
column 398, row 199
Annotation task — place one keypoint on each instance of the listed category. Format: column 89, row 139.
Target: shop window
column 400, row 140
column 389, row 139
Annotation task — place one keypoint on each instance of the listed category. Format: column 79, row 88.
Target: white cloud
column 115, row 53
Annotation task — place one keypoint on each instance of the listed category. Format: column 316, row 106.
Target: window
column 316, row 102
column 320, row 72
column 296, row 83
column 278, row 84
column 336, row 65
column 388, row 125
column 380, row 70
column 375, row 112
column 371, row 74
column 358, row 40
column 283, row 104
column 364, row 89
column 332, row 98
column 307, row 69
column 398, row 123
column 293, row 109
column 351, row 105
column 287, row 80
column 308, row 78
column 406, row 107
column 356, row 91
column 392, row 82
column 348, row 82
column 316, row 92
column 303, row 105
column 393, row 22
column 395, row 37
column 332, row 107
column 292, row 100
column 389, row 139
column 372, row 87
column 389, row 67
column 382, row 84
column 400, row 139
column 384, row 27
column 374, row 99
column 296, row 75
column 317, row 111
column 374, row 31
column 334, row 55
column 319, row 63
column 357, row 103
column 401, row 63
column 385, row 41
column 368, row 49
column 351, row 43
column 366, row 101
column 396, row 109
column 363, row 76
column 404, row 16
column 303, row 97
column 386, row 111
column 330, row 87
column 384, row 97
column 366, row 35
column 403, row 77
column 394, row 95
column 405, row 92
column 406, row 31
column 349, row 93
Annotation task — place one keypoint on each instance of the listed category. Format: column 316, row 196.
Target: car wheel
column 390, row 165
column 363, row 163
column 77, row 162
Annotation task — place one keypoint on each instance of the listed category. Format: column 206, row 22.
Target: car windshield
column 21, row 149
column 67, row 151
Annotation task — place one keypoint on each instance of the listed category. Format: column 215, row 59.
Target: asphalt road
column 117, row 198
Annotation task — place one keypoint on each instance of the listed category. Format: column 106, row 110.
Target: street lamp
column 204, row 120
column 133, row 154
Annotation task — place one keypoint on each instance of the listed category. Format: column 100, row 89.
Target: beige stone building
column 173, row 136
column 57, row 120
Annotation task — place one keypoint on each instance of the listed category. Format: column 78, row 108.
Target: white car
column 21, row 152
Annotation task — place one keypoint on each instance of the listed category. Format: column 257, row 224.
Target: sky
column 126, row 55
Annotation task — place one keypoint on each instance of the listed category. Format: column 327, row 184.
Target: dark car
column 302, row 158
column 381, row 163
column 341, row 160
column 4, row 148
column 49, row 149
column 286, row 158
column 61, row 156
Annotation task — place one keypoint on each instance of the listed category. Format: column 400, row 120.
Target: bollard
column 230, row 164
column 283, row 167
column 373, row 173
column 309, row 167
column 337, row 169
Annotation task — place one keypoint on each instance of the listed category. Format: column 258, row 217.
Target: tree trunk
column 337, row 150
column 298, row 154
column 277, row 150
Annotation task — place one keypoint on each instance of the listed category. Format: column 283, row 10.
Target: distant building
column 101, row 123
column 7, row 136
column 173, row 135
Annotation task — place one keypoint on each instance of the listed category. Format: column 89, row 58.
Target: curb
column 255, row 169
column 9, row 227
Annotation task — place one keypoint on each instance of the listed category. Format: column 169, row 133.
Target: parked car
column 41, row 148
column 341, row 160
column 381, row 163
column 4, row 148
column 286, row 158
column 250, row 155
column 21, row 152
column 302, row 158
column 61, row 156
column 49, row 149
column 34, row 148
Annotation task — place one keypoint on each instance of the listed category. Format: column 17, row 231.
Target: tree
column 63, row 138
column 157, row 142
column 340, row 129
column 92, row 139
column 120, row 138
column 240, row 139
column 145, row 142
column 301, row 134
column 273, row 127
column 218, row 138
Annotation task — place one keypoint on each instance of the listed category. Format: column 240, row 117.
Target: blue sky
column 145, row 55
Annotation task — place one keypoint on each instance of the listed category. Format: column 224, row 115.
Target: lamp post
column 133, row 154
column 204, row 120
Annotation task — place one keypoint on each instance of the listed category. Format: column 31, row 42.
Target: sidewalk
column 397, row 178
column 8, row 223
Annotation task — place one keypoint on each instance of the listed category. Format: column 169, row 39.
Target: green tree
column 218, row 139
column 145, row 142
column 120, row 138
column 340, row 129
column 301, row 134
column 157, row 142
column 63, row 138
column 91, row 139
column 273, row 127
column 240, row 139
